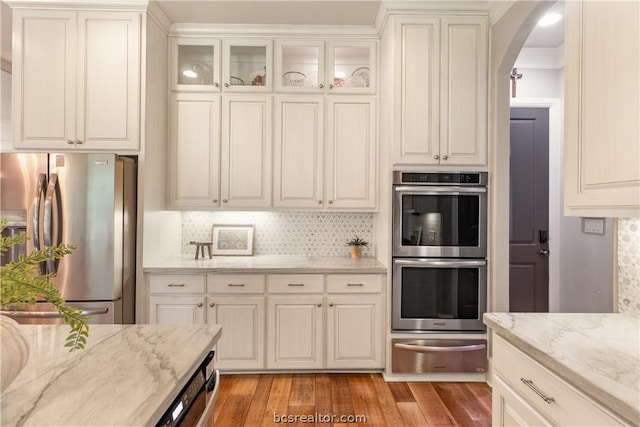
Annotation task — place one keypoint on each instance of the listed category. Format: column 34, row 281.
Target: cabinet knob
column 212, row 304
column 215, row 200
column 78, row 142
column 330, row 86
column 200, row 304
column 445, row 157
column 226, row 85
column 436, row 157
column 216, row 84
column 70, row 142
column 330, row 304
column 330, row 202
column 319, row 304
column 319, row 202
column 224, row 200
column 321, row 86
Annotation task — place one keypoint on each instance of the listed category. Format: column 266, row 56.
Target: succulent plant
column 356, row 241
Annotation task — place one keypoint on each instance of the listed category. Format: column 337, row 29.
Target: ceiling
column 552, row 36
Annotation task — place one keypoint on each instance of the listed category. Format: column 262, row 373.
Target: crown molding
column 157, row 14
column 251, row 30
column 137, row 5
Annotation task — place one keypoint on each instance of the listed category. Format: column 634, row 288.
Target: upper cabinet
column 196, row 64
column 602, row 135
column 440, row 73
column 76, row 80
column 247, row 65
column 332, row 67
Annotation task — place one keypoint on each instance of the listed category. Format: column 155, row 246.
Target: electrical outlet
column 593, row 225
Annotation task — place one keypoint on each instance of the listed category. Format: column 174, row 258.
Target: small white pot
column 14, row 351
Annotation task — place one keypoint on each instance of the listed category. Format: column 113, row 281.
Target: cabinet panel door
column 510, row 409
column 194, row 151
column 417, row 90
column 242, row 320
column 109, row 69
column 246, row 151
column 44, row 78
column 351, row 180
column 173, row 310
column 354, row 332
column 294, row 333
column 298, row 159
column 463, row 100
column 602, row 106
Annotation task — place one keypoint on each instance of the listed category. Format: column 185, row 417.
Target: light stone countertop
column 128, row 375
column 598, row 353
column 266, row 264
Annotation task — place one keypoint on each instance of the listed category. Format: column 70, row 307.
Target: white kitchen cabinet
column 246, row 151
column 351, row 67
column 195, row 64
column 300, row 66
column 176, row 310
column 194, row 151
column 351, row 153
column 441, row 64
column 76, row 79
column 294, row 332
column 528, row 393
column 247, row 65
column 237, row 302
column 242, row 319
column 602, row 82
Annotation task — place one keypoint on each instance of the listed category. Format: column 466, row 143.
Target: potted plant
column 355, row 246
column 21, row 283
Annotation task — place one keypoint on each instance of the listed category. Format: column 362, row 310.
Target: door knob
column 544, row 252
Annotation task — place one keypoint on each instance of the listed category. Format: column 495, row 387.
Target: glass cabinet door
column 247, row 65
column 195, row 64
column 351, row 67
column 300, row 66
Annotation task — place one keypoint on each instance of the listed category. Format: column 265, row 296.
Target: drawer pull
column 176, row 285
column 544, row 397
column 430, row 348
column 236, row 284
column 296, row 284
column 355, row 284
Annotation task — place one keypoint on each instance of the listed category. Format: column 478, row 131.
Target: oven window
column 439, row 293
column 440, row 220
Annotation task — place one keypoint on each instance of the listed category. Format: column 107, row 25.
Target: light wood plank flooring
column 252, row 400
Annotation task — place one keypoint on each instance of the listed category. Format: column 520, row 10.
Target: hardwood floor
column 258, row 400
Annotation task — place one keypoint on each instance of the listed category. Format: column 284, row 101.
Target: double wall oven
column 439, row 275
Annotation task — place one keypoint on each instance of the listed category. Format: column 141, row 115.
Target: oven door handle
column 429, row 348
column 426, row 262
column 429, row 190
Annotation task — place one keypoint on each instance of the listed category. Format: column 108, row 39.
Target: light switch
column 593, row 225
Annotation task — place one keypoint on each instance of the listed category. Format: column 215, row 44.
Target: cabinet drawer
column 177, row 284
column 296, row 283
column 236, row 283
column 564, row 404
column 354, row 283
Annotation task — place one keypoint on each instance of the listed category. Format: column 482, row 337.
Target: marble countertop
column 126, row 376
column 597, row 353
column 266, row 264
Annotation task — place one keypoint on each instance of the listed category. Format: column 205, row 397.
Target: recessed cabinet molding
column 441, row 65
column 602, row 135
column 76, row 79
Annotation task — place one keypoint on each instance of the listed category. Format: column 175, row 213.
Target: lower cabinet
column 279, row 321
column 509, row 409
column 176, row 310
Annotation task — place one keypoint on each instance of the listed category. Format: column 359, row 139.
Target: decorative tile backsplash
column 286, row 233
column 629, row 266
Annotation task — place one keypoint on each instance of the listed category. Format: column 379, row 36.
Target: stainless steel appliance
column 439, row 355
column 88, row 200
column 439, row 274
column 440, row 214
column 194, row 404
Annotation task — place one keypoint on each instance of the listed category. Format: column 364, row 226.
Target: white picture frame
column 232, row 239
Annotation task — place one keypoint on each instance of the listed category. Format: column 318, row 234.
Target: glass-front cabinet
column 351, row 66
column 196, row 64
column 247, row 65
column 300, row 66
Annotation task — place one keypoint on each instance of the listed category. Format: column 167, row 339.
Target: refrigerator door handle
column 53, row 193
column 40, row 193
column 50, row 314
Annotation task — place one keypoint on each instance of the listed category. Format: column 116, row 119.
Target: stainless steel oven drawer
column 411, row 356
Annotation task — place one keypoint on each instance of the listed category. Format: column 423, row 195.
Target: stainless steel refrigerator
column 88, row 200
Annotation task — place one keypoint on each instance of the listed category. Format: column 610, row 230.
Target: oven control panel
column 440, row 178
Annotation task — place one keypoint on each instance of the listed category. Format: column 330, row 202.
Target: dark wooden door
column 529, row 210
